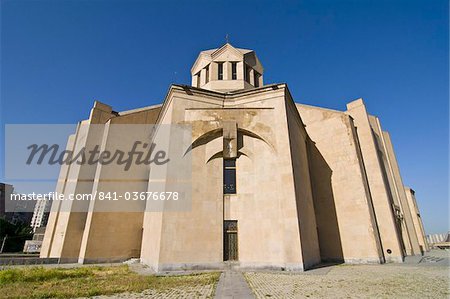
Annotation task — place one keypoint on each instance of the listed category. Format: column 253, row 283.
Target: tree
column 16, row 235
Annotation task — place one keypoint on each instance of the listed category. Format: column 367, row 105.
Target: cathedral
column 274, row 184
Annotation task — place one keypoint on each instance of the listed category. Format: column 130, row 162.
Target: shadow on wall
column 382, row 160
column 324, row 207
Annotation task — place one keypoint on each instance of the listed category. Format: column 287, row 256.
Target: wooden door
column 230, row 241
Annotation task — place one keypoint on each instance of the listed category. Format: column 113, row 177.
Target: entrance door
column 230, row 240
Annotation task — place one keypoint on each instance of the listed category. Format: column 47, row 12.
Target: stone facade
column 417, row 220
column 311, row 184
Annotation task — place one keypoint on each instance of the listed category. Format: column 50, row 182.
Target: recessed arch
column 204, row 139
column 219, row 155
column 216, row 133
column 254, row 135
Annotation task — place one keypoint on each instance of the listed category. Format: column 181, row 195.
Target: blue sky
column 57, row 57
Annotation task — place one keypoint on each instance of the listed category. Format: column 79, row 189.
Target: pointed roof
column 226, row 45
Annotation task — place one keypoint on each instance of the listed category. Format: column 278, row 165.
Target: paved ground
column 435, row 257
column 188, row 293
column 233, row 285
column 419, row 277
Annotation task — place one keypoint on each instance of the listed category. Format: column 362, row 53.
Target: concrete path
column 233, row 285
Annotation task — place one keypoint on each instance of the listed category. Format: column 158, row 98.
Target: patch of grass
column 39, row 282
column 36, row 274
